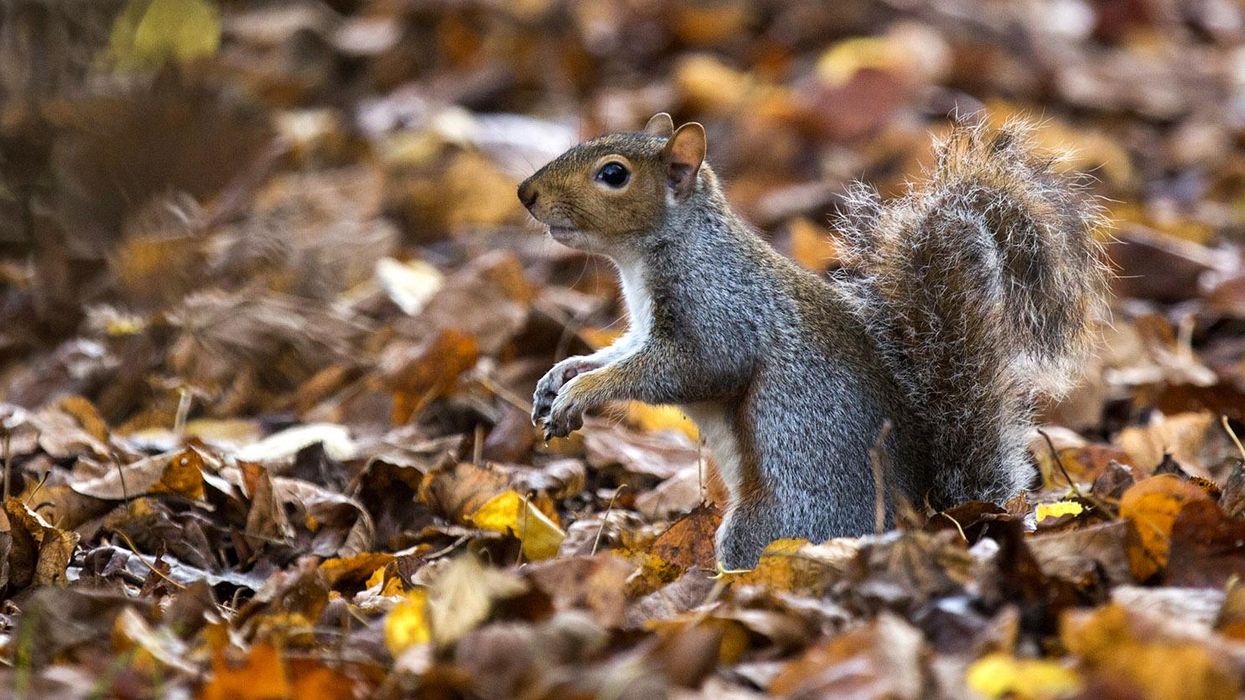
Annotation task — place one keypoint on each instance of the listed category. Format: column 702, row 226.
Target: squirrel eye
column 613, row 174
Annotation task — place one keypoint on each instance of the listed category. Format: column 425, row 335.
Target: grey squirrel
column 956, row 307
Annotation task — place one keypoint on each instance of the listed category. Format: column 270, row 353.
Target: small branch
column 154, row 570
column 8, row 462
column 1223, row 420
column 879, row 478
column 1059, row 462
column 596, row 542
column 183, row 411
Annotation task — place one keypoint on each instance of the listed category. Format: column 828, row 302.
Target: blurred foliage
column 150, row 32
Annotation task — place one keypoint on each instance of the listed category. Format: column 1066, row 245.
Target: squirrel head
column 603, row 193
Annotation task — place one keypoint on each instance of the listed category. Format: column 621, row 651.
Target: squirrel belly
column 956, row 306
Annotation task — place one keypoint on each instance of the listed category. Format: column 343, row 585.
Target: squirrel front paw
column 566, row 415
column 549, row 385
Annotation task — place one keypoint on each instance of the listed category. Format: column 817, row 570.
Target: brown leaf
column 1077, row 555
column 882, row 659
column 424, row 372
column 459, row 490
column 1206, row 547
column 1152, row 505
column 595, row 584
column 40, row 552
column 661, row 455
column 266, row 520
column 689, row 541
column 179, row 473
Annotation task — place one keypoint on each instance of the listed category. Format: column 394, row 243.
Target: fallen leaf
column 1058, row 509
column 508, row 512
column 39, row 553
column 1111, row 644
column 406, row 625
column 150, row 32
column 462, row 595
column 287, row 443
column 880, row 659
column 1001, row 675
column 689, row 541
column 1207, row 547
column 1152, row 505
column 796, row 566
column 593, row 583
column 261, row 675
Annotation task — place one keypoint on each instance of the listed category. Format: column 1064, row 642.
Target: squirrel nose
column 527, row 193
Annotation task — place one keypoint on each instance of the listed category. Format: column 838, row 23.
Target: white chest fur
column 636, row 296
column 718, row 429
column 715, row 421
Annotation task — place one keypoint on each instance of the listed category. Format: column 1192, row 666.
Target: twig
column 523, row 535
column 700, row 469
column 477, row 447
column 503, row 393
column 125, row 492
column 447, row 549
column 38, row 486
column 183, row 411
column 1232, row 434
column 1059, row 462
column 879, row 478
column 957, row 525
column 1094, row 501
column 134, row 548
column 8, row 463
column 596, row 542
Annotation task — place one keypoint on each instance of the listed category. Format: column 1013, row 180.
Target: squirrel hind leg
column 747, row 529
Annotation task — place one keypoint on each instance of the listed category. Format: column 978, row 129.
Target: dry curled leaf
column 1152, row 506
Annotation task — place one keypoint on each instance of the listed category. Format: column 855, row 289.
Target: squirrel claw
column 723, row 572
column 549, row 385
column 565, row 417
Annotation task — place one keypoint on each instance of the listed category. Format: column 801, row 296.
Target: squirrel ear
column 660, row 125
column 684, row 153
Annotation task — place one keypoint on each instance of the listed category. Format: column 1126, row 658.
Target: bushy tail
column 982, row 288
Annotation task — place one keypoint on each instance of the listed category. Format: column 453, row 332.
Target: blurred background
column 305, row 210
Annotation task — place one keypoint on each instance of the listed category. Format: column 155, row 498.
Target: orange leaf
column 1152, row 505
column 261, row 676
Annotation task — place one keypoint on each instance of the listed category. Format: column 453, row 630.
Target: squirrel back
column 981, row 288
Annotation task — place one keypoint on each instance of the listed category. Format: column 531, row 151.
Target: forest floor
column 271, row 314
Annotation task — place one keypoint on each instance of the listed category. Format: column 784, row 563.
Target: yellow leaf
column 392, row 587
column 1055, row 510
column 796, row 566
column 377, row 576
column 651, row 419
column 407, row 623
column 842, row 61
column 508, row 512
column 149, row 32
column 998, row 675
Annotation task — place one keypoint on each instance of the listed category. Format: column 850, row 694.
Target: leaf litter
column 272, row 312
